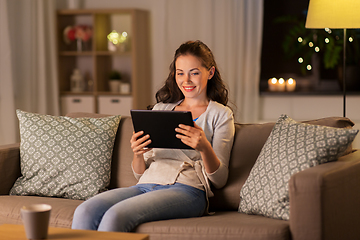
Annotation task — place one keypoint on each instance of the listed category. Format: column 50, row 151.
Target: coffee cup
column 36, row 220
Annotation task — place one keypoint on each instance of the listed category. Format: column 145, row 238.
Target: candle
column 290, row 85
column 281, row 85
column 272, row 84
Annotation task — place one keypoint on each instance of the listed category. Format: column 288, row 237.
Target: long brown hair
column 216, row 90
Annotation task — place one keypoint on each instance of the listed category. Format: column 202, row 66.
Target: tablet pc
column 160, row 125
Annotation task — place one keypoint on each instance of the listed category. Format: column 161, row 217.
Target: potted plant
column 114, row 81
column 327, row 43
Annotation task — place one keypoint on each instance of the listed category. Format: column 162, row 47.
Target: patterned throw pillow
column 64, row 157
column 290, row 148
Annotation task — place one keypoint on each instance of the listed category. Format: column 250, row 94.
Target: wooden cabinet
column 115, row 104
column 76, row 103
column 95, row 61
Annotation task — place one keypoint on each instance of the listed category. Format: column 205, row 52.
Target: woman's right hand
column 138, row 145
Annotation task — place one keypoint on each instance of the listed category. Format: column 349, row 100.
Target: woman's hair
column 216, row 89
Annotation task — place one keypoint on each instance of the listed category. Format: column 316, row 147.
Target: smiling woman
column 201, row 60
column 173, row 183
column 192, row 78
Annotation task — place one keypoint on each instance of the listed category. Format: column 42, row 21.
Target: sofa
column 324, row 199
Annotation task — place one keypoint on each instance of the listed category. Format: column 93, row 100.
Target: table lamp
column 335, row 14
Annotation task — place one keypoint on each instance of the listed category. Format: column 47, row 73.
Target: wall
column 306, row 107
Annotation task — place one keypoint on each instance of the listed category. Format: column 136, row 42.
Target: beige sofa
column 324, row 200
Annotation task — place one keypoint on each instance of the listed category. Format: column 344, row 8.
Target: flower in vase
column 79, row 32
column 83, row 32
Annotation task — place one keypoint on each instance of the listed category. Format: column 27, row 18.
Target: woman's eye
column 179, row 74
column 195, row 73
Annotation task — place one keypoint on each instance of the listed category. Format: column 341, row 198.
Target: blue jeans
column 122, row 209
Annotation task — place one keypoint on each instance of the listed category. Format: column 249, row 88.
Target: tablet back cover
column 160, row 125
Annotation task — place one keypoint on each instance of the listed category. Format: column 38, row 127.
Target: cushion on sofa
column 121, row 172
column 290, row 148
column 248, row 142
column 221, row 225
column 61, row 213
column 64, row 157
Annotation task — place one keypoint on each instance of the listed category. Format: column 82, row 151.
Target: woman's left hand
column 193, row 136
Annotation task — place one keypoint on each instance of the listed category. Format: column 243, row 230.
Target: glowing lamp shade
column 333, row 14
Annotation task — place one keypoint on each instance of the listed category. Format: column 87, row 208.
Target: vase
column 77, row 81
column 79, row 45
column 124, row 88
column 114, row 85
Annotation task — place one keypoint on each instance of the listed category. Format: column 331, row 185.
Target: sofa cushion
column 64, row 157
column 61, row 213
column 121, row 172
column 290, row 148
column 248, row 142
column 221, row 225
column 9, row 166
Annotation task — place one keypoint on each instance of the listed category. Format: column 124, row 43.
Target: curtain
column 233, row 31
column 7, row 100
column 28, row 78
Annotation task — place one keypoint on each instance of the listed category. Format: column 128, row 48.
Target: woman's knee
column 115, row 221
column 85, row 217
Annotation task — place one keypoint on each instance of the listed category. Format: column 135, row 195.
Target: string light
column 123, row 37
column 317, row 49
column 300, row 39
column 116, row 38
column 328, row 30
column 308, row 67
column 327, row 40
column 300, row 60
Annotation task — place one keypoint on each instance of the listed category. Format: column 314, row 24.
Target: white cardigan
column 167, row 166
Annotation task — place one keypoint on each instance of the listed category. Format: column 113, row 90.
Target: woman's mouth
column 189, row 88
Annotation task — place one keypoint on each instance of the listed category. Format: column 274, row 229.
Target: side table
column 17, row 232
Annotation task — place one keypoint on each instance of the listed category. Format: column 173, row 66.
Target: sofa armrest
column 325, row 200
column 9, row 166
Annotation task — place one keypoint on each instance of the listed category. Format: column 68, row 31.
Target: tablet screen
column 160, row 125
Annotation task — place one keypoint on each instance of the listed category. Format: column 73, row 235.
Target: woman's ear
column 211, row 72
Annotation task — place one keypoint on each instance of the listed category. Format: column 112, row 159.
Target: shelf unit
column 95, row 61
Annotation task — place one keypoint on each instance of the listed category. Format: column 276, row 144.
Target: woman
column 173, row 183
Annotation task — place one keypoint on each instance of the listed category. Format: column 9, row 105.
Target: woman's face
column 192, row 77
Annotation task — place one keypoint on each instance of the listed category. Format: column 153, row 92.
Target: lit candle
column 290, row 85
column 272, row 84
column 281, row 85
